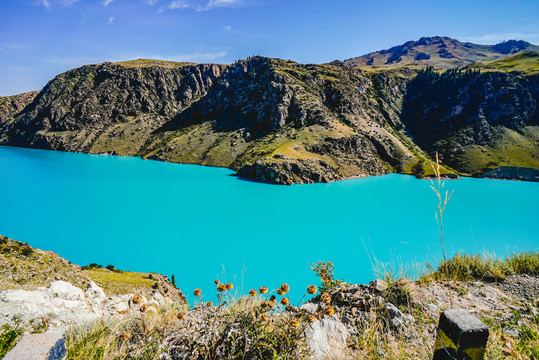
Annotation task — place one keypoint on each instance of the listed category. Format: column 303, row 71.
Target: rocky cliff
column 282, row 122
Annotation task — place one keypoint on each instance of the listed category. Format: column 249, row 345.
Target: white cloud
column 227, row 28
column 204, row 5
column 178, row 4
column 107, row 2
column 48, row 3
column 152, row 2
column 495, row 38
column 111, row 20
column 9, row 47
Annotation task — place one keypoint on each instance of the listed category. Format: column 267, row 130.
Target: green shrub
column 8, row 338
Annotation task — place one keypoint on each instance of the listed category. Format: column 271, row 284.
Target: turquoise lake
column 203, row 223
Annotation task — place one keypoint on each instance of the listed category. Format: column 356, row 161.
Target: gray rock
column 514, row 333
column 326, row 338
column 47, row 346
column 408, row 318
column 309, row 307
column 391, row 312
column 394, row 316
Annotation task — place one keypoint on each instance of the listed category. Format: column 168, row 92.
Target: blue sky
column 42, row 38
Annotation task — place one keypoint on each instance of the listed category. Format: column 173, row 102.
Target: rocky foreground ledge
column 393, row 319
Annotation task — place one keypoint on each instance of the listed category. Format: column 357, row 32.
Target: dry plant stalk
column 441, row 202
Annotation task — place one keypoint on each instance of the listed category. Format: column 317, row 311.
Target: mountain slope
column 273, row 120
column 440, row 52
column 282, row 122
column 477, row 120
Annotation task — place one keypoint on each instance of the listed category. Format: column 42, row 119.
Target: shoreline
column 444, row 177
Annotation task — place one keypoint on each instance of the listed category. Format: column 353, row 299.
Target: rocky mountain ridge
column 281, row 122
column 441, row 52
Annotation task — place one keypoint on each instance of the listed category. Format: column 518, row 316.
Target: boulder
column 65, row 290
column 159, row 298
column 94, row 291
column 38, row 297
column 326, row 338
column 393, row 315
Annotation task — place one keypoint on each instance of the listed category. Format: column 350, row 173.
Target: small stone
column 121, row 307
column 379, row 285
column 512, row 332
column 391, row 312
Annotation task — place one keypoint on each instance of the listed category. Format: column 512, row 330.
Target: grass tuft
column 466, row 267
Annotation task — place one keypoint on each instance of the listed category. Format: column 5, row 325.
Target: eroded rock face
column 64, row 303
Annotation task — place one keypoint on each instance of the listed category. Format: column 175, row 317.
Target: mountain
column 282, row 122
column 440, row 52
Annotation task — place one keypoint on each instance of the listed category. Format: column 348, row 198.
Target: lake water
column 203, row 223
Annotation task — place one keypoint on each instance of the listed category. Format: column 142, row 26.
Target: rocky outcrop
column 512, row 173
column 61, row 303
column 11, row 106
column 467, row 115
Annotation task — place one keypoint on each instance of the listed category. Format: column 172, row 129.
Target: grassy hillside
column 24, row 267
column 152, row 62
column 526, row 63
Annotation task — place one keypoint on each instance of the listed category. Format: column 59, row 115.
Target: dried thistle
column 325, row 298
column 328, row 310
column 311, row 289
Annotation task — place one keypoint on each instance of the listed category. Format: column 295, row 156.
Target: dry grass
column 251, row 327
column 115, row 283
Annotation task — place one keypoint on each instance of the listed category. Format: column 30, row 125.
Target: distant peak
column 511, row 46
